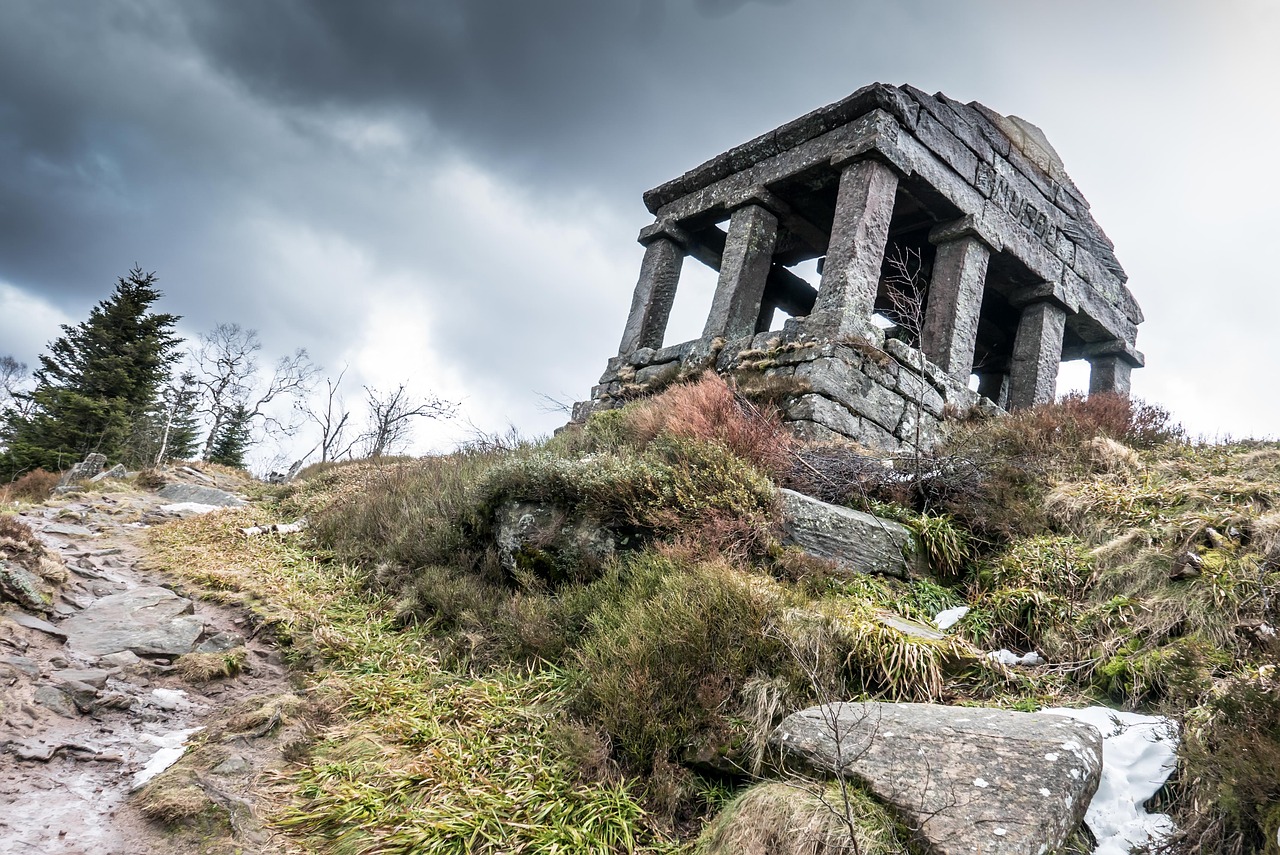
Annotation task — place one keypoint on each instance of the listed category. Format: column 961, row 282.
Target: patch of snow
column 189, row 509
column 1008, row 657
column 169, row 699
column 1138, row 755
column 949, row 618
column 169, row 749
column 980, row 783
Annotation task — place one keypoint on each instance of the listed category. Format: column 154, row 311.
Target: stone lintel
column 876, row 96
column 1037, row 352
column 744, row 270
column 795, row 223
column 654, row 295
column 859, row 234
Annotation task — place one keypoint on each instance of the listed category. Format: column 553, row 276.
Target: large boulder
column 857, row 542
column 86, row 469
column 153, row 621
column 181, row 493
column 547, row 543
column 964, row 779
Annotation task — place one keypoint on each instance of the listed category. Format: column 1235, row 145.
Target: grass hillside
column 569, row 698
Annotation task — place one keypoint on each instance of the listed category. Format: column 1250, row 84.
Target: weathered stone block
column 855, row 541
column 969, row 779
column 836, row 379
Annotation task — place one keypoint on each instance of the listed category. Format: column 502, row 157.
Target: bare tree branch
column 391, row 414
column 228, row 376
column 333, row 419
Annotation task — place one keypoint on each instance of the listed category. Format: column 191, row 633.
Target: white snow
column 1008, row 657
column 169, row 699
column 1138, row 754
column 189, row 508
column 949, row 618
column 170, row 748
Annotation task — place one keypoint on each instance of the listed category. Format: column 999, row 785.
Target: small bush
column 150, row 479
column 1230, row 754
column 667, row 651
column 705, row 410
column 786, row 819
column 35, row 486
column 204, row 667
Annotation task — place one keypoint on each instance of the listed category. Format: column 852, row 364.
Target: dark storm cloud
column 273, row 160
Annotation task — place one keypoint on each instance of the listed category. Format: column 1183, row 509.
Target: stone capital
column 1045, row 292
column 966, row 226
column 759, row 195
column 1112, row 347
column 665, row 229
column 878, row 142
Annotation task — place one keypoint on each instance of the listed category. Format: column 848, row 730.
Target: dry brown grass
column 707, row 409
column 35, row 486
column 782, row 819
column 205, row 667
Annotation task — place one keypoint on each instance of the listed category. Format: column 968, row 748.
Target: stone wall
column 883, row 395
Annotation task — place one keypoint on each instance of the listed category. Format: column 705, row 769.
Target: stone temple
column 958, row 266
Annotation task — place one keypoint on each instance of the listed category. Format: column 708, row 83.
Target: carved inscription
column 1024, row 211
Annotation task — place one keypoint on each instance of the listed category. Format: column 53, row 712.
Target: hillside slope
column 581, row 644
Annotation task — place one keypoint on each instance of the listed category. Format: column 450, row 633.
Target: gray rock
column 85, row 469
column 970, row 779
column 539, row 539
column 221, row 642
column 178, row 493
column 117, row 471
column 22, row 587
column 123, row 659
column 21, row 663
column 82, row 694
column 55, row 700
column 233, row 765
column 144, row 621
column 95, row 677
column 30, row 622
column 68, row 530
column 855, row 541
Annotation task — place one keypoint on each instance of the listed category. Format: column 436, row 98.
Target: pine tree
column 97, row 380
column 232, row 439
column 174, row 428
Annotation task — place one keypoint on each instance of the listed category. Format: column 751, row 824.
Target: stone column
column 859, row 234
column 1109, row 373
column 950, row 329
column 994, row 385
column 744, row 268
column 654, row 295
column 1037, row 352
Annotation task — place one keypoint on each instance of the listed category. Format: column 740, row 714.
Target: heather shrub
column 35, row 486
column 667, row 651
column 705, row 410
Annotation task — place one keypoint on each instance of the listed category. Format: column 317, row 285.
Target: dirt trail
column 89, row 695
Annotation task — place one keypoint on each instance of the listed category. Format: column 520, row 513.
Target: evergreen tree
column 181, row 400
column 171, row 430
column 232, row 439
column 97, row 380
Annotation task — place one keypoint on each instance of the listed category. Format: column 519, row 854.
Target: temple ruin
column 958, row 263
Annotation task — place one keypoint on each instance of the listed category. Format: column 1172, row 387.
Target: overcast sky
column 447, row 192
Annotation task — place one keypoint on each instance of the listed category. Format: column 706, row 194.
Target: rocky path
column 91, row 702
